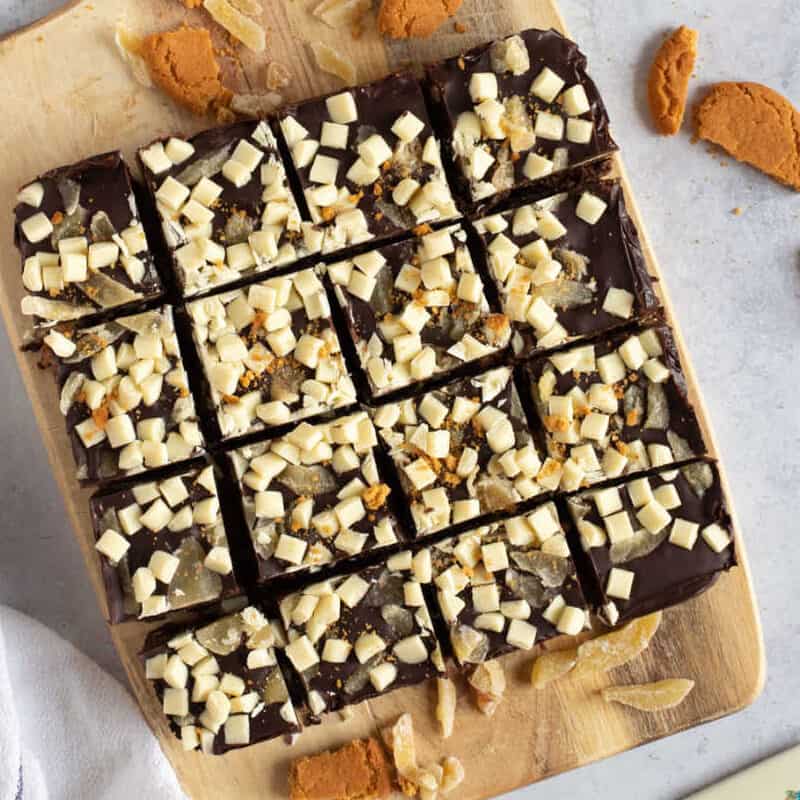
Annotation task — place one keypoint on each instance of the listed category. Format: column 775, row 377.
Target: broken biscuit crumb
column 256, row 105
column 755, row 125
column 334, row 62
column 358, row 771
column 403, row 19
column 669, row 80
column 182, row 62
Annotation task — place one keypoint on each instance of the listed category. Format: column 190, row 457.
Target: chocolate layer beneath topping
column 369, row 161
column 125, row 396
column 314, row 496
column 508, row 586
column 175, row 547
column 568, row 267
column 82, row 243
column 417, row 309
column 518, row 110
column 655, row 541
column 220, row 685
column 615, row 407
column 270, row 353
column 463, row 451
column 226, row 207
column 359, row 636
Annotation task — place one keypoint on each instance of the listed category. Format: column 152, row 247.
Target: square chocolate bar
column 655, row 541
column 226, row 207
column 567, row 267
column 220, row 685
column 314, row 496
column 615, row 407
column 359, row 636
column 270, row 353
column 125, row 396
column 517, row 111
column 163, row 546
column 369, row 161
column 508, row 586
column 417, row 309
column 463, row 451
column 83, row 247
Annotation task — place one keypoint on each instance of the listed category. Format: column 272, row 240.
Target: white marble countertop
column 735, row 282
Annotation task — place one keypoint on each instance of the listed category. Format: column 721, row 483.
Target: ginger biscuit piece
column 182, row 62
column 357, row 771
column 402, row 19
column 669, row 79
column 754, row 124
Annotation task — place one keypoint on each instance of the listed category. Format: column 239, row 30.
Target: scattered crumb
column 460, row 27
column 334, row 62
column 256, row 105
column 403, row 19
column 182, row 62
column 754, row 124
column 669, row 80
column 192, row 3
column 738, row 211
column 357, row 771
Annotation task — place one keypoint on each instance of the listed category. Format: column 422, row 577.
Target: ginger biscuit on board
column 403, row 19
column 754, row 124
column 357, row 771
column 669, row 79
column 183, row 63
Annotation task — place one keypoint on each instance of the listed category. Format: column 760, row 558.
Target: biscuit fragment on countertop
column 402, row 19
column 358, row 771
column 669, row 79
column 754, row 124
column 183, row 63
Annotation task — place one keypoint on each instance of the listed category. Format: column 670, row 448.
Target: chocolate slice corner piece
column 568, row 267
column 368, row 161
column 508, row 586
column 83, row 247
column 220, row 685
column 417, row 309
column 163, row 546
column 464, row 451
column 226, row 207
column 654, row 541
column 362, row 635
column 615, row 407
column 125, row 396
column 270, row 353
column 518, row 111
column 315, row 496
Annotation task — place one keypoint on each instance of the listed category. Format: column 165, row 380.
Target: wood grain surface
column 65, row 94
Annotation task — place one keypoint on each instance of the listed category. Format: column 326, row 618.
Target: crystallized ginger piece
column 446, row 705
column 489, row 683
column 452, row 774
column 342, row 13
column 242, row 28
column 553, row 665
column 618, row 647
column 656, row 696
column 333, row 61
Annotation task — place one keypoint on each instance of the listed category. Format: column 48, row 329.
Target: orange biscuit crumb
column 375, row 496
column 403, row 19
column 756, row 125
column 182, row 62
column 192, row 3
column 357, row 771
column 669, row 79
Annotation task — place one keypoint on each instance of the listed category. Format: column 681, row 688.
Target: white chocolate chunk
column 112, row 546
column 590, row 208
column 620, row 583
column 342, row 108
column 547, row 85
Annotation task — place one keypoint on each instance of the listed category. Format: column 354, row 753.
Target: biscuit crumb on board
column 402, row 19
column 358, row 771
column 669, row 79
column 183, row 63
column 754, row 124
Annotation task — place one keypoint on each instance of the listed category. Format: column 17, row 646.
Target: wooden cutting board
column 65, row 94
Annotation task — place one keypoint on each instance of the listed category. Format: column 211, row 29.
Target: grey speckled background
column 735, row 281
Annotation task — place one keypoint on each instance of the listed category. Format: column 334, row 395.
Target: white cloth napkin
column 68, row 730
